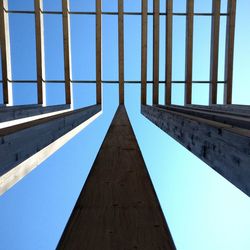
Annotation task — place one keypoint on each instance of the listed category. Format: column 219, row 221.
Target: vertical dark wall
column 118, row 207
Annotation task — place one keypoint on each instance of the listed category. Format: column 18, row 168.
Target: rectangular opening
column 149, row 93
column 110, row 5
column 162, row 49
column 21, row 5
column 53, row 40
column 82, row 5
column 132, row 5
column 150, row 5
column 200, row 94
column 110, row 47
column 201, row 48
column 83, row 47
column 178, row 93
column 179, row 47
column 222, row 48
column 84, row 94
column 55, row 93
column 223, row 7
column 163, row 6
column 201, row 6
column 54, row 5
column 162, row 94
column 24, row 93
column 132, row 48
column 23, row 46
column 220, row 93
column 179, row 6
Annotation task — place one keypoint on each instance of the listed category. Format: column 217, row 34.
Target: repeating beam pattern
column 40, row 63
column 230, row 32
column 5, row 51
column 214, row 52
column 156, row 24
column 189, row 51
column 169, row 27
column 98, row 51
column 144, row 48
column 67, row 52
column 121, row 50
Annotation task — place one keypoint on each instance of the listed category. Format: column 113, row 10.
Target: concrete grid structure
column 118, row 205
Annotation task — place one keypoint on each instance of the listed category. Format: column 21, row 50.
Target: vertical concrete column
column 98, row 51
column 214, row 57
column 5, row 51
column 118, row 207
column 144, row 48
column 169, row 28
column 156, row 35
column 67, row 52
column 229, row 55
column 189, row 51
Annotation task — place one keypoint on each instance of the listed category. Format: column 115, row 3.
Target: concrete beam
column 118, row 207
column 229, row 55
column 21, row 114
column 23, row 147
column 98, row 51
column 189, row 51
column 5, row 51
column 40, row 57
column 144, row 48
column 224, row 147
column 67, row 52
column 121, row 50
column 156, row 36
column 214, row 58
column 169, row 28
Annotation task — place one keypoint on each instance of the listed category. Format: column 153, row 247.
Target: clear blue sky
column 203, row 210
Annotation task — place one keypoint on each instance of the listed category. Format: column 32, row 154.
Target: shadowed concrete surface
column 117, row 207
column 221, row 139
column 25, row 146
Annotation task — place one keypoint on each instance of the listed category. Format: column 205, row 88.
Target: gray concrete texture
column 213, row 137
column 19, row 142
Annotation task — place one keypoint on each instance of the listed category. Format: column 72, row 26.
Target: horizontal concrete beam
column 224, row 147
column 25, row 146
column 233, row 119
column 235, row 108
column 18, row 112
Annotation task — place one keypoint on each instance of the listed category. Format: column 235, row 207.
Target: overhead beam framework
column 98, row 51
column 229, row 55
column 214, row 52
column 144, row 48
column 156, row 26
column 40, row 60
column 169, row 27
column 5, row 52
column 121, row 50
column 67, row 52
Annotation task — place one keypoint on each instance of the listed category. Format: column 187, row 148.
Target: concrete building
column 118, row 207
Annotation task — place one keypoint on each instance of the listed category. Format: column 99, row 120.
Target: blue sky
column 203, row 210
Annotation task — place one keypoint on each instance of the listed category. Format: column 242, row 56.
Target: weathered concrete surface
column 118, row 207
column 224, row 147
column 24, row 146
column 23, row 111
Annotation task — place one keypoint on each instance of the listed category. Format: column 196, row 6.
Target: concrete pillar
column 117, row 207
column 222, row 141
column 25, row 146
